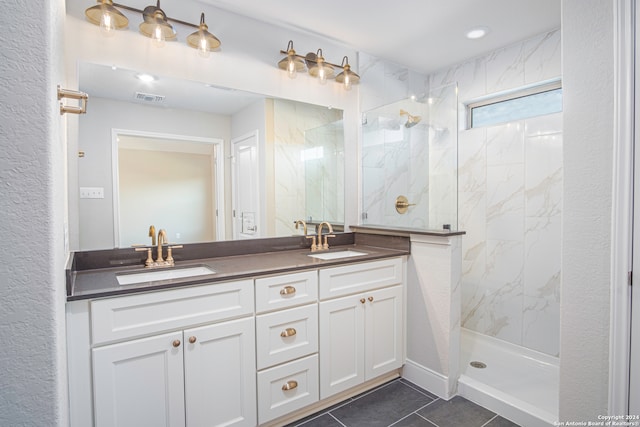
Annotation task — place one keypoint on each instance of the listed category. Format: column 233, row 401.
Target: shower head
column 411, row 120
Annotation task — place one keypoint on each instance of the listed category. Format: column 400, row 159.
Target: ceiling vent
column 148, row 97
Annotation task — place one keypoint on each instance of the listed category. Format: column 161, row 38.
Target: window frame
column 499, row 97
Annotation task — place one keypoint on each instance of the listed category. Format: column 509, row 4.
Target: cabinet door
column 140, row 383
column 383, row 331
column 341, row 344
column 220, row 374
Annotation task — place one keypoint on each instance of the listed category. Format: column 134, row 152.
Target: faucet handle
column 169, row 258
column 326, row 240
column 149, row 260
column 314, row 246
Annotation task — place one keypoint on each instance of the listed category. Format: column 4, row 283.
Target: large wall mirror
column 206, row 163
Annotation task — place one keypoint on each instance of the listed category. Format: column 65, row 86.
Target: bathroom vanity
column 268, row 338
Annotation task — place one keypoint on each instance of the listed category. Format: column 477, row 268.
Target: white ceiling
column 422, row 35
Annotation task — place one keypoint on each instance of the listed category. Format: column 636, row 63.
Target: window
column 523, row 104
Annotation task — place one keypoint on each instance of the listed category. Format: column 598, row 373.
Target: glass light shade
column 106, row 16
column 292, row 63
column 348, row 78
column 156, row 26
column 203, row 40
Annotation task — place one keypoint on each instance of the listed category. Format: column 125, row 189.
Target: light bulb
column 107, row 25
column 291, row 69
column 347, row 82
column 322, row 75
column 203, row 47
column 158, row 38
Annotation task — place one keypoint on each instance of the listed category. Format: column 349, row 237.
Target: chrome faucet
column 314, row 246
column 324, row 245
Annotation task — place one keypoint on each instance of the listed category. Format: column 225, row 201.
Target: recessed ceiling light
column 477, row 33
column 145, row 77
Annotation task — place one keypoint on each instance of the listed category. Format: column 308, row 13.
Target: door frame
column 623, row 238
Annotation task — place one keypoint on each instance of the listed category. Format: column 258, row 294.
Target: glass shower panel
column 409, row 163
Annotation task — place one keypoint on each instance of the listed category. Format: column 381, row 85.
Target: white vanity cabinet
column 361, row 323
column 196, row 376
column 287, row 343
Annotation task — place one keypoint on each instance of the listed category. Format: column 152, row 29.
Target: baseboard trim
column 429, row 380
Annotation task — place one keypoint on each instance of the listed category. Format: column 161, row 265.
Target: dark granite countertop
column 403, row 231
column 91, row 281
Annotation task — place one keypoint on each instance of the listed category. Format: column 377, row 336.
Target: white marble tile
column 505, row 190
column 543, row 257
column 470, row 76
column 540, row 325
column 543, row 125
column 505, row 68
column 543, row 59
column 472, row 160
column 505, row 144
column 543, row 175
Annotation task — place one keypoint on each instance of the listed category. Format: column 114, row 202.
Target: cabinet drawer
column 118, row 318
column 286, row 388
column 286, row 335
column 354, row 278
column 288, row 290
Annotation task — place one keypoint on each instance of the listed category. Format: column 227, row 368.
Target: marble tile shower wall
column 510, row 200
column 509, row 189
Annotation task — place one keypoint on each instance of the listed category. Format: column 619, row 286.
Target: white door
column 383, row 327
column 341, row 344
column 140, row 383
column 220, row 374
column 246, row 187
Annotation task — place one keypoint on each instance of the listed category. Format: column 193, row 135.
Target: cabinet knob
column 370, row 299
column 362, row 300
column 289, row 332
column 290, row 385
column 288, row 290
column 192, row 340
column 176, row 343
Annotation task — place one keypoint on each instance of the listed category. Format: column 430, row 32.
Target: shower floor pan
column 517, row 383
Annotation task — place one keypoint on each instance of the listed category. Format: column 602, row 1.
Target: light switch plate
column 91, row 192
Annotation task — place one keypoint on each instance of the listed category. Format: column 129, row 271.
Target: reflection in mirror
column 171, row 181
column 399, row 140
column 120, row 104
column 323, row 157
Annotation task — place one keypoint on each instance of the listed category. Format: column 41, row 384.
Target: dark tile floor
column 400, row 403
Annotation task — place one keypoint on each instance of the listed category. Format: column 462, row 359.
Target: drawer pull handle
column 362, row 300
column 288, row 290
column 176, row 343
column 289, row 332
column 370, row 299
column 290, row 385
column 192, row 340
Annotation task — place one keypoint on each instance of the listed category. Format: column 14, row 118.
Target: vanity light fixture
column 292, row 63
column 317, row 67
column 107, row 17
column 347, row 77
column 155, row 25
column 203, row 40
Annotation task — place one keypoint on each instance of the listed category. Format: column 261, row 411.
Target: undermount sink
column 337, row 255
column 167, row 274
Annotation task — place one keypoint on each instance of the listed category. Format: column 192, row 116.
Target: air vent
column 148, row 97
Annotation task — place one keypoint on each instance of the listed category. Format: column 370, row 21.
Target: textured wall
column 588, row 57
column 32, row 207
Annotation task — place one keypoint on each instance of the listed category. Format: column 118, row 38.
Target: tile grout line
column 423, row 392
column 339, row 422
column 493, row 418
